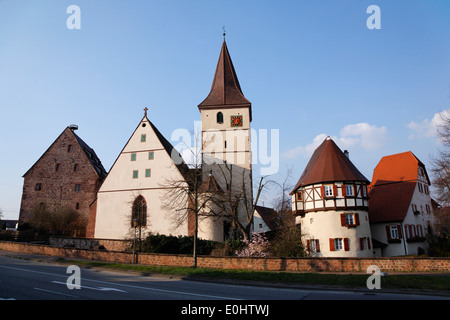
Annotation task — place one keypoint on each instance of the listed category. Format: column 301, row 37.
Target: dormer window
column 219, row 117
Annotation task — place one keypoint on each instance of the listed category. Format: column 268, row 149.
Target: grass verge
column 426, row 283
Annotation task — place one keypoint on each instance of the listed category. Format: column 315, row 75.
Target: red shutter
column 322, row 191
column 307, row 245
column 317, row 246
column 388, row 232
column 343, row 221
column 399, row 229
column 334, row 190
column 361, row 240
column 357, row 219
column 331, row 244
column 346, row 248
column 344, row 191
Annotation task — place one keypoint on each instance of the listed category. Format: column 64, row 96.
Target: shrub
column 158, row 243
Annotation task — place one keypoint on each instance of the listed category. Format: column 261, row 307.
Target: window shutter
column 420, row 230
column 357, row 219
column 344, row 190
column 368, row 243
column 399, row 230
column 317, row 246
column 346, row 247
column 343, row 221
column 322, row 191
column 331, row 244
column 308, row 246
column 361, row 243
column 334, row 190
column 388, row 232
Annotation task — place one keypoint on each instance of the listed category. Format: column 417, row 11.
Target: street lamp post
column 135, row 225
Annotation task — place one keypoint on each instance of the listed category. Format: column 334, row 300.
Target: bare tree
column 188, row 200
column 441, row 162
column 441, row 181
column 237, row 203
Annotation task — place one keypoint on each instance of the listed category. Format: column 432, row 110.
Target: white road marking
column 129, row 286
column 55, row 292
column 98, row 289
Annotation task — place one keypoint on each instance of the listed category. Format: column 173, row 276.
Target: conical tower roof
column 225, row 90
column 328, row 164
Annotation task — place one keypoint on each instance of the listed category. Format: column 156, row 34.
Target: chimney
column 347, row 154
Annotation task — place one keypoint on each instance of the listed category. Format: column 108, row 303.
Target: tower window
column 219, row 117
column 78, row 187
column 69, row 148
column 75, row 167
column 38, row 187
column 58, row 166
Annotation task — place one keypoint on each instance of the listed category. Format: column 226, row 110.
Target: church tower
column 226, row 115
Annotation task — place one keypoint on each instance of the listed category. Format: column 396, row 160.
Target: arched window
column 139, row 212
column 219, row 117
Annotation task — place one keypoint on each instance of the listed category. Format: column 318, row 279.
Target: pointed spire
column 225, row 90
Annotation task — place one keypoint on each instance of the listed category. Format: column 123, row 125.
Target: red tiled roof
column 268, row 215
column 389, row 201
column 327, row 164
column 398, row 167
column 225, row 90
column 392, row 187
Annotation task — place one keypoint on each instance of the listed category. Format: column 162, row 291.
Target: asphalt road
column 33, row 280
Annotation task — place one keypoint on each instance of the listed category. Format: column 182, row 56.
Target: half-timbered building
column 330, row 202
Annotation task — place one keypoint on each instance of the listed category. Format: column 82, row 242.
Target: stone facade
column 67, row 175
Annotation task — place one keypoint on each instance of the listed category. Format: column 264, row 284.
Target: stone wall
column 395, row 264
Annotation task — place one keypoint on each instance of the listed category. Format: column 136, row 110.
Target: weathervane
column 224, row 32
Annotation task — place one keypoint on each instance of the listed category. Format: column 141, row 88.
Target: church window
column 135, row 174
column 69, row 148
column 139, row 212
column 133, row 157
column 151, row 155
column 58, row 166
column 75, row 167
column 78, row 187
column 38, row 187
column 219, row 117
column 148, row 173
column 143, row 137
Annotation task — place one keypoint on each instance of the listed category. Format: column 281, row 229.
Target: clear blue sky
column 310, row 69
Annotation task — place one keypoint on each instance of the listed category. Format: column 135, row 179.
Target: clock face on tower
column 236, row 121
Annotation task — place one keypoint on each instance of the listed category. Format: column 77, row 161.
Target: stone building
column 67, row 175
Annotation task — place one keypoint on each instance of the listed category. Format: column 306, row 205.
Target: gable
column 145, row 161
column 59, row 151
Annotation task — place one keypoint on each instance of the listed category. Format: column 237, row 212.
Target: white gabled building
column 133, row 188
column 400, row 206
column 330, row 202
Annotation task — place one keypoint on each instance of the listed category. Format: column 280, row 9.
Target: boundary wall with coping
column 388, row 264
